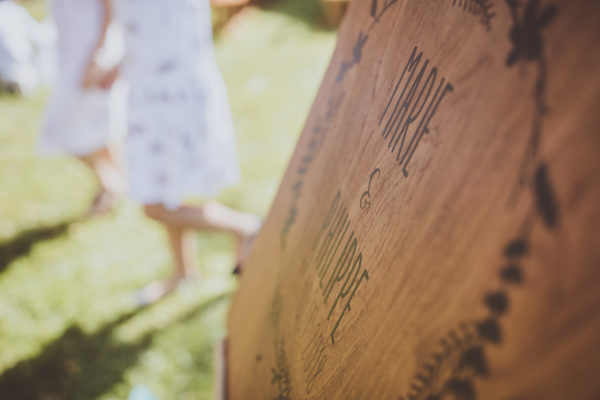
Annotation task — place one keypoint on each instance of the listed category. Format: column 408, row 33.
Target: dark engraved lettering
column 472, row 363
column 400, row 113
column 366, row 196
column 424, row 126
column 378, row 9
column 364, row 275
column 313, row 377
column 341, row 281
column 344, row 279
column 412, row 117
column 310, row 350
column 479, row 8
column 328, row 218
column 333, row 252
column 333, row 240
column 314, row 360
column 414, row 102
column 350, row 247
column 347, row 273
column 411, row 66
column 408, row 109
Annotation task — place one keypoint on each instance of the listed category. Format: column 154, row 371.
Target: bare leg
column 109, row 177
column 212, row 216
column 183, row 246
column 106, row 169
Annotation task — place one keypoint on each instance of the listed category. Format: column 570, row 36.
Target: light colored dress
column 180, row 141
column 79, row 121
column 20, row 35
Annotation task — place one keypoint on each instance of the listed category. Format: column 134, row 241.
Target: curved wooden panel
column 436, row 233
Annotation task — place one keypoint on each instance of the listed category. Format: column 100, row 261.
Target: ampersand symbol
column 366, row 196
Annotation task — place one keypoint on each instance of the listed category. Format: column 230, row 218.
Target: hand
column 97, row 77
column 92, row 76
column 109, row 77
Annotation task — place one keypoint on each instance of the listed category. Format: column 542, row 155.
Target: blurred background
column 69, row 327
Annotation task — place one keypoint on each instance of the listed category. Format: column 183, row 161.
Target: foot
column 158, row 290
column 104, row 202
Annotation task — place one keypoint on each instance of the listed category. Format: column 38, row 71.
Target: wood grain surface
column 436, row 234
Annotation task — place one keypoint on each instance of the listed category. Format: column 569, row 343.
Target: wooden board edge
column 220, row 368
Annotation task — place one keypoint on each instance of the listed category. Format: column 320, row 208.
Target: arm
column 107, row 10
column 94, row 73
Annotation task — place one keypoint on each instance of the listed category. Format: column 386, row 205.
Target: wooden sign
column 436, row 235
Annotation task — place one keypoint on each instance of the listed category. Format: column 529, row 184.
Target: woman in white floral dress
column 81, row 114
column 180, row 140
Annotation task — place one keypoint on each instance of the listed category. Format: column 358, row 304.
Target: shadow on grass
column 308, row 11
column 80, row 365
column 21, row 245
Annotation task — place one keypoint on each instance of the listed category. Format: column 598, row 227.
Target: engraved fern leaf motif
column 526, row 34
column 358, row 47
column 374, row 8
column 481, row 8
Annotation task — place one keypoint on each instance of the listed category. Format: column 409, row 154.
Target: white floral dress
column 20, row 34
column 79, row 121
column 180, row 140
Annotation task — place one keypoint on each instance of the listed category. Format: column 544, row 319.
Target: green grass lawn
column 69, row 327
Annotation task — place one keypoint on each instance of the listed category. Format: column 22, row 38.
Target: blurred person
column 82, row 115
column 180, row 141
column 20, row 36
